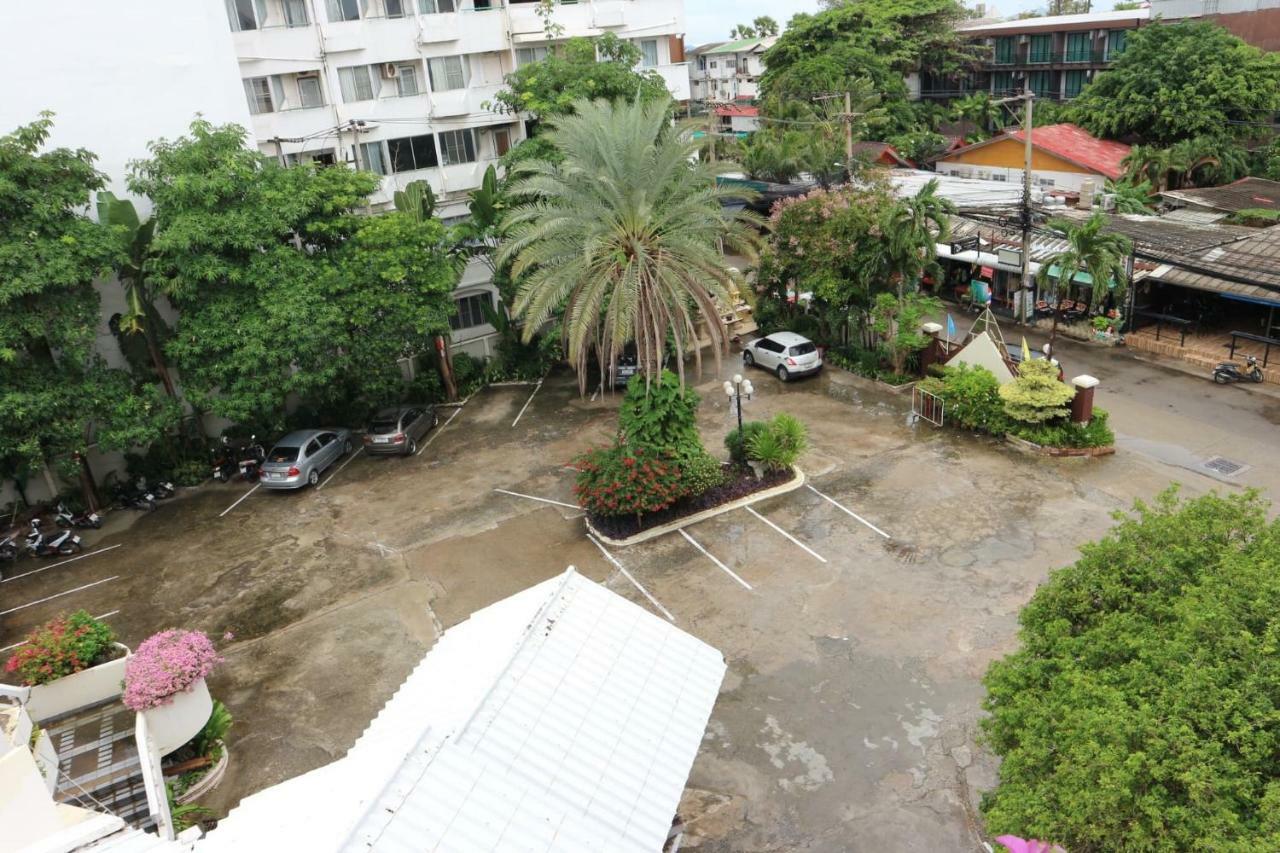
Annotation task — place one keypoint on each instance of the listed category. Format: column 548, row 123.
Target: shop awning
column 1080, row 277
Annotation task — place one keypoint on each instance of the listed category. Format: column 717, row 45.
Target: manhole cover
column 1224, row 466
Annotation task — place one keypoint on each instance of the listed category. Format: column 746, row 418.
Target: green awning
column 1081, row 277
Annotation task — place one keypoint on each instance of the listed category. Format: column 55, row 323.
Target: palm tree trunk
column 157, row 361
column 1053, row 331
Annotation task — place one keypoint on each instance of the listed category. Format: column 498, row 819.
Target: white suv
column 785, row 353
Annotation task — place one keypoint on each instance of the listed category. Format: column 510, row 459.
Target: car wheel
column 747, row 358
column 313, row 477
column 782, row 373
column 412, row 448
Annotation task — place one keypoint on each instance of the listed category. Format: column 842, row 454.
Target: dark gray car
column 300, row 457
column 397, row 431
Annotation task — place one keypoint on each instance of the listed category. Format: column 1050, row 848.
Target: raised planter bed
column 745, row 489
column 208, row 781
column 1059, row 452
column 82, row 689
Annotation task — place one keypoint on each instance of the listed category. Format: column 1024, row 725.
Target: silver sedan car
column 300, row 457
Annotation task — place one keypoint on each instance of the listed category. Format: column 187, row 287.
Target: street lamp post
column 735, row 390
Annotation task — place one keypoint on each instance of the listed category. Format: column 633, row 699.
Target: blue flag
column 951, row 328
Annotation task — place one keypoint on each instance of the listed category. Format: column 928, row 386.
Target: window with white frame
column 526, row 55
column 397, row 8
column 245, row 14
column 358, row 83
column 407, row 84
column 410, row 153
column 648, row 53
column 257, row 90
column 309, row 92
column 435, row 7
column 373, row 158
column 470, row 311
column 448, row 72
column 342, row 10
column 458, row 146
column 295, row 13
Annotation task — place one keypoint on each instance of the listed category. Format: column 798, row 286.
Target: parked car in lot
column 398, row 430
column 785, row 353
column 300, row 457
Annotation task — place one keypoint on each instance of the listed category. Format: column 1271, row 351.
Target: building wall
column 1255, row 21
column 1009, row 153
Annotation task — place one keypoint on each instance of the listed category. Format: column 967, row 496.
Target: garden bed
column 1043, row 450
column 741, row 489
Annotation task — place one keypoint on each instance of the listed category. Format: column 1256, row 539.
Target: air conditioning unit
column 389, row 71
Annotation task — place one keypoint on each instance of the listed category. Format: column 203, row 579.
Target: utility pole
column 1029, row 98
column 711, row 128
column 848, row 137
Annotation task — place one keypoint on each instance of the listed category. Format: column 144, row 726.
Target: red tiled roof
column 1074, row 143
column 881, row 151
column 737, row 110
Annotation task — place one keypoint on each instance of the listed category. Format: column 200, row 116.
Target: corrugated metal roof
column 562, row 718
column 744, row 45
column 1243, row 194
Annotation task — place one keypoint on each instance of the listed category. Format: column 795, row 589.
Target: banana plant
column 417, row 200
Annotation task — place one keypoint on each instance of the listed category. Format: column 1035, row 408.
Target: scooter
column 65, row 542
column 67, row 519
column 1228, row 371
column 224, row 464
column 133, row 498
column 8, row 548
column 252, row 456
column 163, row 489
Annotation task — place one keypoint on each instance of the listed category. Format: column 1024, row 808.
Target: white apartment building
column 728, row 71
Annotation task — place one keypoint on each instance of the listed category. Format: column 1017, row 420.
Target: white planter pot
column 177, row 721
column 208, row 781
column 91, row 686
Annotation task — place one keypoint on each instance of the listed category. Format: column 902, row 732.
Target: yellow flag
column 1026, row 350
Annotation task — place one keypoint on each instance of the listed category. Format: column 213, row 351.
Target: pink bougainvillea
column 167, row 664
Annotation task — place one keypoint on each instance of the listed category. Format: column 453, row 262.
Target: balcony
column 460, row 178
column 291, row 123
column 277, row 46
column 461, row 102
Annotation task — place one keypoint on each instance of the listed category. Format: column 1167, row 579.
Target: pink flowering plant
column 166, row 664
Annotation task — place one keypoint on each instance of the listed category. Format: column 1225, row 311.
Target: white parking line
column 24, row 642
column 664, row 611
column 427, row 443
column 837, row 504
column 534, row 498
column 237, row 503
column 350, row 459
column 57, row 595
column 61, row 563
column 536, row 389
column 710, row 557
column 793, row 539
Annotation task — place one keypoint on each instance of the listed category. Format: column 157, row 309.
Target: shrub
column 702, row 473
column 779, row 444
column 167, row 664
column 626, row 480
column 215, row 729
column 467, row 373
column 1066, row 434
column 971, row 397
column 736, row 442
column 63, row 646
column 192, row 472
column 1036, row 395
column 426, row 386
column 661, row 415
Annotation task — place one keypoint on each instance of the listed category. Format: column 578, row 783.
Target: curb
column 1058, row 452
column 670, row 527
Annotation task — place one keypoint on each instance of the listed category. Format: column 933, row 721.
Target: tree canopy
column 1140, row 712
column 1178, row 81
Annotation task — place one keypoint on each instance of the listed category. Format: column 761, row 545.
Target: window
column 1002, row 82
column 395, row 8
column 358, row 83
column 372, row 158
column 432, row 7
column 408, row 153
column 1041, row 49
column 648, row 53
column 313, row 447
column 1074, row 82
column 309, row 93
column 295, row 13
column 1115, row 43
column 1044, row 182
column 245, row 14
column 702, row 63
column 407, row 80
column 1078, row 47
column 1005, row 47
column 343, row 10
column 258, row 92
column 501, row 141
column 447, row 72
column 525, row 55
column 458, row 146
column 1000, row 176
column 1041, row 82
column 470, row 311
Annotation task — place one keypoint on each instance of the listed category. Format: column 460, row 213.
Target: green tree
column 1132, row 196
column 1178, row 81
column 762, row 27
column 1139, row 712
column 623, row 236
column 799, row 137
column 982, row 110
column 909, row 230
column 897, row 319
column 1036, row 395
column 1092, row 250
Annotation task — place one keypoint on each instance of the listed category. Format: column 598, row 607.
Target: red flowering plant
column 61, row 647
column 626, row 480
column 166, row 664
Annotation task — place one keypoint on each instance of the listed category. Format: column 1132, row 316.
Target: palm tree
column 1092, row 250
column 1131, row 196
column 981, row 110
column 1214, row 160
column 910, row 227
column 624, row 237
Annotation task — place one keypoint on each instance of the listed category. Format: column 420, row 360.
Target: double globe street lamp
column 735, row 390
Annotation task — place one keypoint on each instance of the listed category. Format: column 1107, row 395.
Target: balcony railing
column 1091, row 56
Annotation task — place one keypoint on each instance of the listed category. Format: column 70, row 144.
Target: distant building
column 738, row 118
column 1063, row 157
column 881, row 154
column 728, row 71
column 1220, row 202
column 1255, row 21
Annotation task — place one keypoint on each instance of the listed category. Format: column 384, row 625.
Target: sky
column 711, row 20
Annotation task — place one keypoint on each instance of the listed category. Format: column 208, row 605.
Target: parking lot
column 857, row 614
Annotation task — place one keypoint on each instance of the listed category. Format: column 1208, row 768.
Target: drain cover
column 1224, row 466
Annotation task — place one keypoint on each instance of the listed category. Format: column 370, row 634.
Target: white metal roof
column 963, row 192
column 1049, row 22
column 562, row 718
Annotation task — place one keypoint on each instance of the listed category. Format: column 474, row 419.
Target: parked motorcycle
column 224, row 461
column 162, row 489
column 8, row 548
column 64, row 542
column 131, row 497
column 1229, row 371
column 68, row 519
column 251, row 457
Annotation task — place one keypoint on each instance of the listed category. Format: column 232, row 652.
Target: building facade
column 1064, row 158
column 726, row 72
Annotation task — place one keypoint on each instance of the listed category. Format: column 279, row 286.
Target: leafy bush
column 426, row 387
column 870, row 363
column 702, row 473
column 736, row 442
column 166, row 664
column 779, row 444
column 467, row 373
column 191, row 472
column 661, row 416
column 1036, row 395
column 971, row 398
column 626, row 480
column 1067, row 434
column 61, row 647
column 214, row 730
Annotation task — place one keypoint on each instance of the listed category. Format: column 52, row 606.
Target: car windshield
column 382, row 426
column 283, row 454
column 803, row 349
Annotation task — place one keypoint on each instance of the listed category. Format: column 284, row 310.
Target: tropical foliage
column 1036, row 395
column 778, row 444
column 61, row 647
column 762, row 27
column 1091, row 250
column 1202, row 161
column 623, row 236
column 1138, row 712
